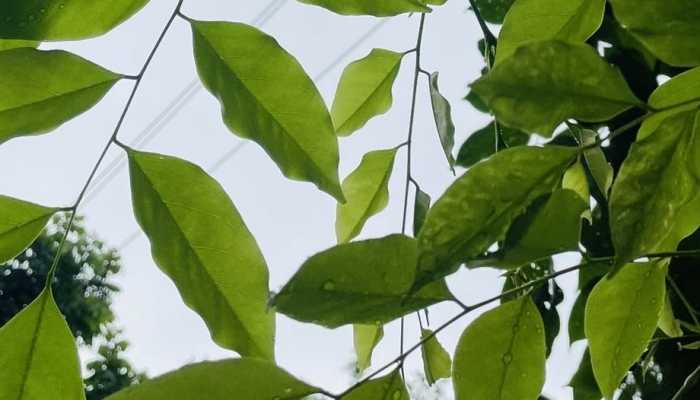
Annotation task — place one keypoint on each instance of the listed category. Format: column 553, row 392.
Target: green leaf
column 476, row 102
column 667, row 321
column 384, row 8
column 478, row 209
column 532, row 20
column 482, row 144
column 365, row 282
column 14, row 44
column 367, row 193
column 421, row 205
column 601, row 170
column 501, row 355
column 38, row 356
column 200, row 241
column 442, row 112
column 40, row 90
column 655, row 196
column 389, row 387
column 621, row 316
column 575, row 179
column 245, row 378
column 583, row 382
column 493, row 11
column 365, row 339
column 46, row 20
column 365, row 90
column 20, row 223
column 437, row 363
column 577, row 317
column 245, row 69
column 434, row 2
column 668, row 28
column 540, row 86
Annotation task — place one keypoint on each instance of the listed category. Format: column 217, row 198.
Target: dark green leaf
column 578, row 315
column 482, row 144
column 365, row 282
column 389, row 387
column 38, row 356
column 501, row 355
column 40, row 90
column 442, row 112
column 437, row 363
column 476, row 102
column 245, row 69
column 621, row 316
column 421, row 205
column 201, row 242
column 367, row 193
column 669, row 29
column 365, row 90
column 583, row 382
column 14, row 44
column 478, row 209
column 365, row 339
column 384, row 8
column 245, row 378
column 540, row 86
column 493, row 11
column 20, row 223
column 46, row 20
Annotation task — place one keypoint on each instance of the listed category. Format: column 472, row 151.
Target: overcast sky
column 291, row 220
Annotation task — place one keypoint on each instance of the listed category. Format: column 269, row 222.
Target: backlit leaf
column 365, row 339
column 245, row 69
column 437, row 363
column 482, row 143
column 365, row 282
column 365, row 90
column 501, row 355
column 40, row 90
column 245, row 378
column 442, row 112
column 38, row 355
column 384, row 8
column 201, row 242
column 621, row 317
column 367, row 193
column 540, row 86
column 389, row 387
column 20, row 223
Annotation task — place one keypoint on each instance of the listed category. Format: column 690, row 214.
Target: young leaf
column 501, row 355
column 245, row 378
column 493, row 11
column 540, row 86
column 655, row 197
column 443, row 119
column 667, row 321
column 477, row 210
column 365, row 282
column 421, row 205
column 20, row 223
column 365, row 339
column 40, row 90
column 676, row 41
column 389, row 387
column 482, row 144
column 15, row 44
column 367, row 193
column 38, row 356
column 364, row 90
column 532, row 20
column 621, row 317
column 201, row 242
column 384, row 8
column 49, row 20
column 437, row 363
column 583, row 383
column 245, row 69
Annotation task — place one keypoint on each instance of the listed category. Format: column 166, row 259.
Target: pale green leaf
column 389, row 387
column 533, row 20
column 46, row 20
column 20, row 223
column 442, row 112
column 365, row 339
column 383, row 8
column 245, row 378
column 366, row 191
column 482, row 143
column 478, row 209
column 501, row 355
column 667, row 321
column 621, row 316
column 421, row 205
column 365, row 90
column 669, row 29
column 10, row 44
column 200, row 241
column 583, row 383
column 365, row 282
column 575, row 179
column 540, row 86
column 38, row 355
column 655, row 197
column 437, row 363
column 40, row 90
column 494, row 11
column 245, row 69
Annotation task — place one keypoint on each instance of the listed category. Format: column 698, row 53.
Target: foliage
column 515, row 207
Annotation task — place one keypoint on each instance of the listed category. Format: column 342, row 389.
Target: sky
column 291, row 220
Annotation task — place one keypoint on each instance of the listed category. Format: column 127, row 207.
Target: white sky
column 291, row 220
